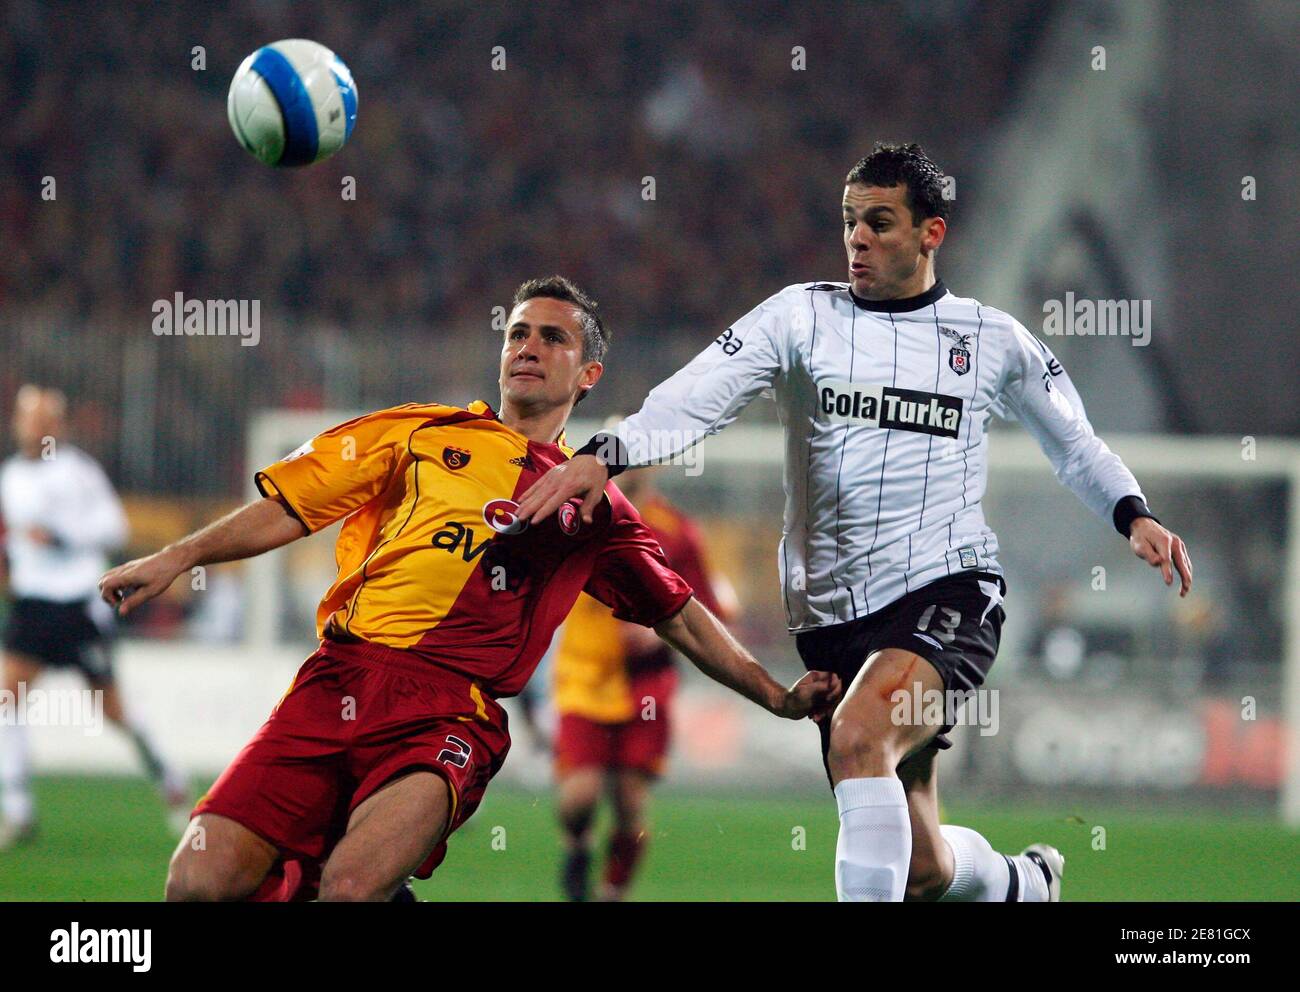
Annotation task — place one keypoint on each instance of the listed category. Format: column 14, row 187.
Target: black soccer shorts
column 952, row 623
column 60, row 635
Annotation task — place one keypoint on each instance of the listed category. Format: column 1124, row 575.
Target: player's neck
column 902, row 301
column 541, row 426
column 922, row 282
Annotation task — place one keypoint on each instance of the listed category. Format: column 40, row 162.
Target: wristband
column 1128, row 509
column 609, row 450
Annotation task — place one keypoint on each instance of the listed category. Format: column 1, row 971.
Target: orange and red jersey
column 594, row 667
column 431, row 558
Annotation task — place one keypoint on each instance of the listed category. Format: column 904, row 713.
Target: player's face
column 34, row 419
column 886, row 251
column 541, row 360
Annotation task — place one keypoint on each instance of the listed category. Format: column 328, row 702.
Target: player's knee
column 627, row 819
column 576, row 818
column 857, row 751
column 352, row 888
column 353, row 884
column 577, row 803
column 345, row 888
column 191, row 879
column 215, row 869
column 628, row 808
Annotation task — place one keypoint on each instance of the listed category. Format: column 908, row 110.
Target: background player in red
column 614, row 687
column 444, row 603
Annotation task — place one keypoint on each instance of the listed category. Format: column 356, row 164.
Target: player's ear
column 933, row 230
column 587, row 379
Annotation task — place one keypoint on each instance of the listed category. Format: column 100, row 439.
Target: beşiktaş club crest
column 455, row 458
column 959, row 353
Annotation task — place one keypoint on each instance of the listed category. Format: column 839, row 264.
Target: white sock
column 1033, row 883
column 981, row 874
column 875, row 845
column 15, row 776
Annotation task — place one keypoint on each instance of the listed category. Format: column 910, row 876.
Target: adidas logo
column 523, row 461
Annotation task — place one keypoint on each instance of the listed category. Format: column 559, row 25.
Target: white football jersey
column 886, row 408
column 69, row 496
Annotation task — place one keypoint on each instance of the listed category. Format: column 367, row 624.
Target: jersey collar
column 904, row 304
column 484, row 409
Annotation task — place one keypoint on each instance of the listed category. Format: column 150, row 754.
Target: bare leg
column 931, row 868
column 218, row 860
column 866, row 739
column 389, row 836
column 579, row 792
column 631, row 790
column 937, row 850
column 872, row 732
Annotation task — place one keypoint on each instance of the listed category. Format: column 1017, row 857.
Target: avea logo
column 455, row 536
column 502, row 515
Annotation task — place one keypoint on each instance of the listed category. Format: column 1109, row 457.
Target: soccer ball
column 292, row 103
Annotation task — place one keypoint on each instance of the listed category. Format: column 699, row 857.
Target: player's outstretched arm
column 259, row 526
column 701, row 398
column 1163, row 549
column 696, row 633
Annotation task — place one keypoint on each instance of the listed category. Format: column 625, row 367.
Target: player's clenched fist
column 1162, row 549
column 814, row 695
column 138, row 581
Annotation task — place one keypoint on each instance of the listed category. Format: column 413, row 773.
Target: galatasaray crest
column 455, row 458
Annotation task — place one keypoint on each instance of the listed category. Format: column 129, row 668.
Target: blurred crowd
column 680, row 160
column 469, row 179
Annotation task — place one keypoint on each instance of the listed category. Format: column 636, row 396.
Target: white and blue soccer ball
column 292, row 103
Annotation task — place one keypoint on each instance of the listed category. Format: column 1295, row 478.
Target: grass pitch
column 106, row 839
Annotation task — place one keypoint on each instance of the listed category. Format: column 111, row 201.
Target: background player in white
column 61, row 516
column 885, row 385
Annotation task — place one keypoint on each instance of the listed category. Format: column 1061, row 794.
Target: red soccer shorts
column 637, row 744
column 357, row 716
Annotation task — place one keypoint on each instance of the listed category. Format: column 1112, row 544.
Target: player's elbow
column 674, row 628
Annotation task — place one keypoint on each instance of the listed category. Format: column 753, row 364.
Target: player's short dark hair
column 595, row 335
column 889, row 165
